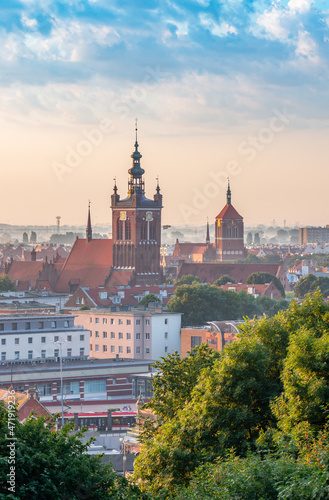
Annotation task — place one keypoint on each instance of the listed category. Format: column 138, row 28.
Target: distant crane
column 58, row 218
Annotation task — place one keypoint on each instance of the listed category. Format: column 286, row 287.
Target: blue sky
column 208, row 72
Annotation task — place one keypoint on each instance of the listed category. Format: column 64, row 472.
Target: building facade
column 139, row 335
column 37, row 338
column 313, row 235
column 229, row 233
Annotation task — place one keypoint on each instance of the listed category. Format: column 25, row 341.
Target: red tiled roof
column 120, row 277
column 209, row 272
column 189, row 248
column 229, row 212
column 89, row 263
column 258, row 289
column 25, row 270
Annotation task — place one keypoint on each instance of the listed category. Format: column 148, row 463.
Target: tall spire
column 228, row 193
column 208, row 233
column 89, row 232
column 136, row 183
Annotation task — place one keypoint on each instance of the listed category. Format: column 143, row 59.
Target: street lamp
column 61, row 375
column 124, row 456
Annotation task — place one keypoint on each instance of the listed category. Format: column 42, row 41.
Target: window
column 97, row 348
column 94, row 386
column 53, row 324
column 104, row 348
column 3, row 341
column 45, row 390
column 91, row 333
column 69, row 338
column 30, row 340
column 3, row 356
column 147, row 350
column 120, row 321
column 166, row 348
column 112, row 348
column 128, row 321
column 77, row 300
column 40, row 325
column 69, row 352
column 43, row 354
column 147, row 322
column 82, row 338
column 138, row 321
column 128, row 336
column 96, row 334
column 82, row 300
column 120, row 335
column 14, row 326
column 112, row 321
column 138, row 336
column 68, row 388
column 120, row 349
column 66, row 324
column 96, row 320
column 56, row 338
column 128, row 349
column 166, row 321
column 147, row 336
column 56, row 353
column 16, row 340
column 27, row 325
column 82, row 351
column 29, row 354
column 16, row 354
column 91, row 320
column 166, row 335
column 104, row 321
column 104, row 335
column 138, row 350
column 195, row 342
column 2, row 327
column 91, row 347
column 43, row 340
column 112, row 335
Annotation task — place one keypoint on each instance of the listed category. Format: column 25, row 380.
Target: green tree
column 150, row 297
column 6, row 285
column 304, row 286
column 54, row 464
column 262, row 278
column 188, row 279
column 223, row 280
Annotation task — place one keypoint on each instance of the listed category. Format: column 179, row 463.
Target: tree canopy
column 223, row 280
column 150, row 297
column 188, row 279
column 6, row 285
column 262, row 278
column 309, row 284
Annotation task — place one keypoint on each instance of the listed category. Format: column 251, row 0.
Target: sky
column 221, row 89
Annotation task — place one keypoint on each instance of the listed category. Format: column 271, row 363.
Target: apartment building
column 40, row 337
column 140, row 335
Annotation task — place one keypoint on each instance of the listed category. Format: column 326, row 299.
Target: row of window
column 73, row 388
column 27, row 325
column 43, row 339
column 120, row 349
column 120, row 321
column 128, row 335
column 43, row 354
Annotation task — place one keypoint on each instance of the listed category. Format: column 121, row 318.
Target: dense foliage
column 6, row 285
column 202, row 303
column 252, row 421
column 309, row 284
column 262, row 278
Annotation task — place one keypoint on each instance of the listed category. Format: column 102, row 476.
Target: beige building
column 140, row 335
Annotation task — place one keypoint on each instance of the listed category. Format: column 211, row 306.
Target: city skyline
column 233, row 89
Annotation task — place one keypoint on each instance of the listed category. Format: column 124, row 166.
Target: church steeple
column 136, row 183
column 89, row 232
column 228, row 193
column 208, row 233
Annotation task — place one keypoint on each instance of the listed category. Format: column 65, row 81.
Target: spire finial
column 158, row 185
column 136, row 129
column 228, row 193
column 89, row 232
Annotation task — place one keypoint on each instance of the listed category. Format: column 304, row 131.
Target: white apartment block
column 40, row 337
column 140, row 335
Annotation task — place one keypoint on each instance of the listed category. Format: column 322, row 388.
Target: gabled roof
column 229, row 212
column 25, row 271
column 88, row 264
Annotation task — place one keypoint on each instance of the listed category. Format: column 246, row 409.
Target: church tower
column 229, row 232
column 136, row 229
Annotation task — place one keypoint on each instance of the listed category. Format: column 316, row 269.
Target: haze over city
column 235, row 87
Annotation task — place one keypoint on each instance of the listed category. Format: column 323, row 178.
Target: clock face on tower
column 148, row 216
column 123, row 215
column 232, row 222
